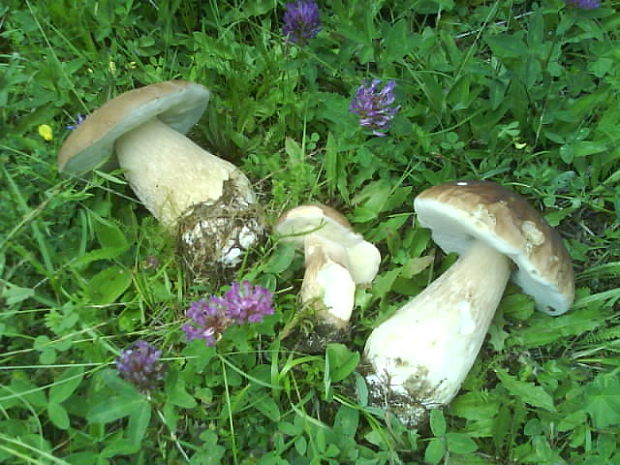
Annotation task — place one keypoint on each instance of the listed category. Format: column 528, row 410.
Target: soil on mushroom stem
column 413, row 407
column 314, row 337
column 212, row 237
column 310, row 330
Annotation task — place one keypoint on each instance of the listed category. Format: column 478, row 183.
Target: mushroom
column 206, row 200
column 337, row 259
column 418, row 358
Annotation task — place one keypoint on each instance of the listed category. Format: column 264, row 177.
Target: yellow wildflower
column 45, row 131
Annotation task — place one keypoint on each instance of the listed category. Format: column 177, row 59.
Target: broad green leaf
column 383, row 284
column 395, row 41
column 290, row 429
column 198, row 355
column 210, row 452
column 536, row 29
column 567, row 152
column 12, row 294
column 301, row 444
column 346, row 421
column 82, row 458
column 544, row 329
column 361, row 388
column 603, row 400
column 373, row 198
column 107, row 285
column 171, row 416
column 376, row 437
column 41, row 342
column 104, row 253
column 585, row 148
column 331, row 450
column 48, row 356
column 416, row 265
column 527, row 392
column 118, row 385
column 119, row 446
column 22, row 390
column 294, row 151
column 517, row 306
column 502, row 424
column 268, row 407
column 176, row 392
column 138, row 423
column 475, row 405
column 66, row 384
column 434, row 92
column 114, row 408
column 507, row 46
column 342, row 361
column 431, row 7
column 438, row 422
column 435, row 450
column 460, row 443
column 602, row 66
column 109, row 235
column 58, row 415
column 353, row 33
column 281, row 258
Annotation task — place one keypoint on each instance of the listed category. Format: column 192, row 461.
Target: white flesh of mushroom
column 169, row 173
column 424, row 351
column 327, row 281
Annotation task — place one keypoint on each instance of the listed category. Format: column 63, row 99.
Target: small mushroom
column 418, row 358
column 206, row 200
column 337, row 259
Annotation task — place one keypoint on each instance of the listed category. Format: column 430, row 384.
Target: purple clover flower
column 301, row 21
column 140, row 365
column 242, row 303
column 79, row 119
column 210, row 319
column 375, row 107
column 584, row 4
column 247, row 303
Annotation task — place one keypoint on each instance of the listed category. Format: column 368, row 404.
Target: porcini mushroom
column 208, row 201
column 337, row 259
column 418, row 358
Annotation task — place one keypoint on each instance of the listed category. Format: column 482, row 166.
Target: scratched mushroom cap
column 461, row 212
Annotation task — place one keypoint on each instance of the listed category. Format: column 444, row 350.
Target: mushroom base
column 314, row 337
column 313, row 328
column 212, row 236
column 412, row 410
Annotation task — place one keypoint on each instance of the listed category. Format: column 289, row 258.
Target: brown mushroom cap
column 459, row 213
column 342, row 244
column 179, row 104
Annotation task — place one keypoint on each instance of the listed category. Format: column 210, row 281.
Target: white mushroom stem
column 169, row 173
column 327, row 282
column 425, row 350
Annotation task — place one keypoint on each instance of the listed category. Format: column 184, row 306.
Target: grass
column 523, row 93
